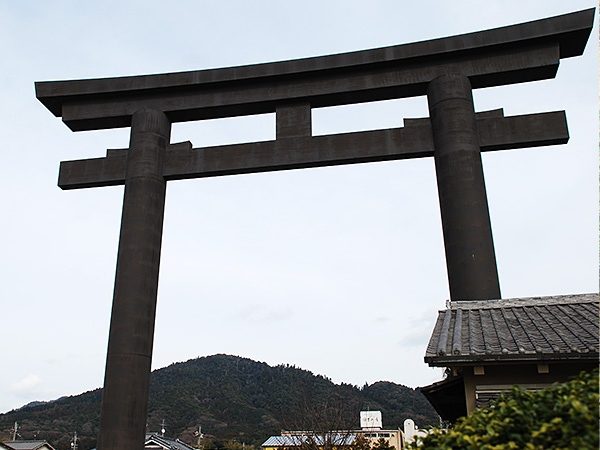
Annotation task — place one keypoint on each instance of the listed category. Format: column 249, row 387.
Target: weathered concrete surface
column 470, row 257
column 293, row 121
column 127, row 377
column 512, row 54
column 412, row 141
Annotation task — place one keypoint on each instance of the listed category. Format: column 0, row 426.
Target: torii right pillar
column 468, row 241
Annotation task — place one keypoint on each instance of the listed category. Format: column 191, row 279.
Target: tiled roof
column 534, row 328
column 27, row 445
column 296, row 440
column 165, row 442
column 171, row 444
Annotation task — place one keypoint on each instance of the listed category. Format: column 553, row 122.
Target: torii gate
column 446, row 70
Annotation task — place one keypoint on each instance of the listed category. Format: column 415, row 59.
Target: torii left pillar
column 128, row 363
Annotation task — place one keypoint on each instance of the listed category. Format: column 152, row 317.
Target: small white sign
column 370, row 419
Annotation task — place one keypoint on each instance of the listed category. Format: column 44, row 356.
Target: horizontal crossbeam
column 414, row 140
column 513, row 54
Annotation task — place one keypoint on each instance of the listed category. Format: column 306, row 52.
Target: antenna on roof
column 199, row 435
column 162, row 428
column 74, row 441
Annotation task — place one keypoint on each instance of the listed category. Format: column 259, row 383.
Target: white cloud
column 27, row 385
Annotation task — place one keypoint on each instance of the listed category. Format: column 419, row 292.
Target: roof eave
column 445, row 361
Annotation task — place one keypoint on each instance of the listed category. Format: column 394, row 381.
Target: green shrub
column 562, row 416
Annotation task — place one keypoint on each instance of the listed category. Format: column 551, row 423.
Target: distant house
column 26, row 445
column 371, row 430
column 157, row 441
column 291, row 439
column 337, row 439
column 489, row 346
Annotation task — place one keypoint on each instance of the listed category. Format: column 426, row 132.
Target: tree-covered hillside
column 232, row 398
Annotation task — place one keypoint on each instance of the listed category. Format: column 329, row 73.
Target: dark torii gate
column 446, row 70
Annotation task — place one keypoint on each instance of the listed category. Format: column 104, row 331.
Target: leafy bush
column 562, row 416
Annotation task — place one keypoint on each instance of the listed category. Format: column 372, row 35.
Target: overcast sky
column 337, row 270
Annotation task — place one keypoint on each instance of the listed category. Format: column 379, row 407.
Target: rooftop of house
column 156, row 440
column 563, row 327
column 26, row 444
column 296, row 440
column 165, row 442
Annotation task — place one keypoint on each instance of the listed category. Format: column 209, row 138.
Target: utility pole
column 74, row 444
column 200, row 436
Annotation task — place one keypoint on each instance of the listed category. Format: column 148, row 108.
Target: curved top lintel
column 569, row 32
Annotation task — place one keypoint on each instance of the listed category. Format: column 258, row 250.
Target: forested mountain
column 233, row 399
